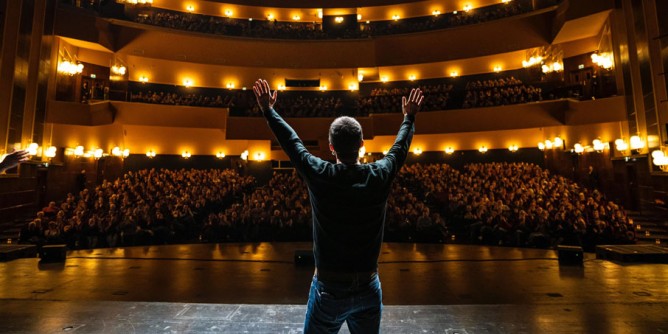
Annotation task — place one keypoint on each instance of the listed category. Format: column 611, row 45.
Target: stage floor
column 256, row 288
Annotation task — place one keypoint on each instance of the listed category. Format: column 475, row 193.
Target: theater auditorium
column 507, row 172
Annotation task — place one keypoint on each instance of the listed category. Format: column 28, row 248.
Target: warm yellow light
column 79, row 151
column 98, row 153
column 186, row 154
column 352, row 87
column 126, row 153
column 361, row 152
column 143, row 79
column 578, row 148
column 558, row 142
column 338, row 19
column 50, row 152
column 411, row 77
column 228, row 12
column 548, row 144
column 384, row 79
column 296, row 17
column 244, row 155
column 506, row 1
column 467, row 7
column 454, row 73
column 281, row 87
column 69, row 68
column 190, row 8
column 220, row 155
column 637, row 143
column 436, row 12
column 270, row 16
column 396, row 17
column 513, row 148
column 359, row 17
column 150, row 153
column 187, row 82
column 32, row 148
column 116, row 151
column 230, row 85
column 259, row 156
column 483, row 149
column 449, row 150
column 360, row 76
column 621, row 145
column 541, row 146
column 385, row 152
column 417, row 151
column 598, row 145
column 320, row 13
column 498, row 68
column 323, row 88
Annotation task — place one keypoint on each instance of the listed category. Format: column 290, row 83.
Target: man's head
column 345, row 138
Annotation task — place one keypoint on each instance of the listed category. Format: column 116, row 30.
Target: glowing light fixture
column 396, row 17
column 449, row 150
column 498, row 68
column 116, row 151
column 50, row 152
column 70, row 68
column 281, row 87
column 384, row 79
column 119, row 70
column 79, row 151
column 532, row 61
column 637, row 143
column 541, row 146
column 578, row 148
column 143, row 79
column 417, row 151
column 604, row 60
column 244, row 155
column 186, row 154
column 126, row 153
column 598, row 145
column 323, row 88
column 187, row 83
column 359, row 17
column 296, row 17
column 558, row 142
column 228, row 12
column 150, row 154
column 259, row 156
column 436, row 12
column 467, row 8
column 98, row 153
column 220, row 155
column 352, row 87
column 513, row 148
column 338, row 19
column 32, row 148
column 230, row 85
column 454, row 74
column 483, row 149
column 548, row 144
column 361, row 152
column 411, row 77
column 270, row 16
column 190, row 8
column 659, row 159
column 385, row 152
column 621, row 145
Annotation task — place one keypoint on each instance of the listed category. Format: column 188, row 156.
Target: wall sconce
column 50, row 152
column 32, row 149
column 483, row 149
column 118, row 70
column 396, row 17
column 506, row 1
column 338, row 19
column 230, row 85
column 558, row 142
column 186, row 154
column 604, row 60
column 541, row 146
column 352, row 87
column 532, row 61
column 143, row 79
column 548, row 144
column 187, row 83
column 220, row 155
column 660, row 159
column 150, row 154
column 78, row 151
column 498, row 68
column 411, row 77
column 577, row 148
column 228, row 12
column 467, row 8
column 296, row 18
column 513, row 148
column 70, row 68
column 270, row 16
column 621, row 145
column 360, row 76
column 190, row 8
column 436, row 12
column 259, row 156
column 281, row 87
column 454, row 74
column 97, row 154
column 554, row 67
column 637, row 144
column 384, row 79
column 126, row 153
column 598, row 145
column 359, row 17
column 116, row 151
column 449, row 150
column 417, row 151
column 323, row 88
column 244, row 155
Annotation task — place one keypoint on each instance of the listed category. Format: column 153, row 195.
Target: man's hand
column 12, row 160
column 265, row 98
column 411, row 106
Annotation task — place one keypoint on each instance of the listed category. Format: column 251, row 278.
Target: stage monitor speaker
column 304, row 257
column 53, row 253
column 570, row 255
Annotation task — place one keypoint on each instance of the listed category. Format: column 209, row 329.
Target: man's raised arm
column 286, row 136
column 397, row 154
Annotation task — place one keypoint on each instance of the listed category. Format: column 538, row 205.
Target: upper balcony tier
column 425, row 44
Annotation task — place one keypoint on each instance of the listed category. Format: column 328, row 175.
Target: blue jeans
column 359, row 304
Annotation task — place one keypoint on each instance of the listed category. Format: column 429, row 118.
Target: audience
column 516, row 204
column 504, row 91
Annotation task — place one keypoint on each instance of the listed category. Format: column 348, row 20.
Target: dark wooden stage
column 256, row 288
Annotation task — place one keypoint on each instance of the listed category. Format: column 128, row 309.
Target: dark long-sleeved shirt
column 348, row 201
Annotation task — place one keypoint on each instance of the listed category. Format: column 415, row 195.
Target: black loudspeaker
column 304, row 258
column 53, row 253
column 570, row 255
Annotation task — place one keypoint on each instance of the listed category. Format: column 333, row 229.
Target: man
column 13, row 159
column 349, row 201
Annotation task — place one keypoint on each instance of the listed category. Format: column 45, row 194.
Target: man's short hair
column 345, row 134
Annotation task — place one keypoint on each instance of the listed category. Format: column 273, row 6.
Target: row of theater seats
column 311, row 30
column 516, row 204
column 438, row 96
